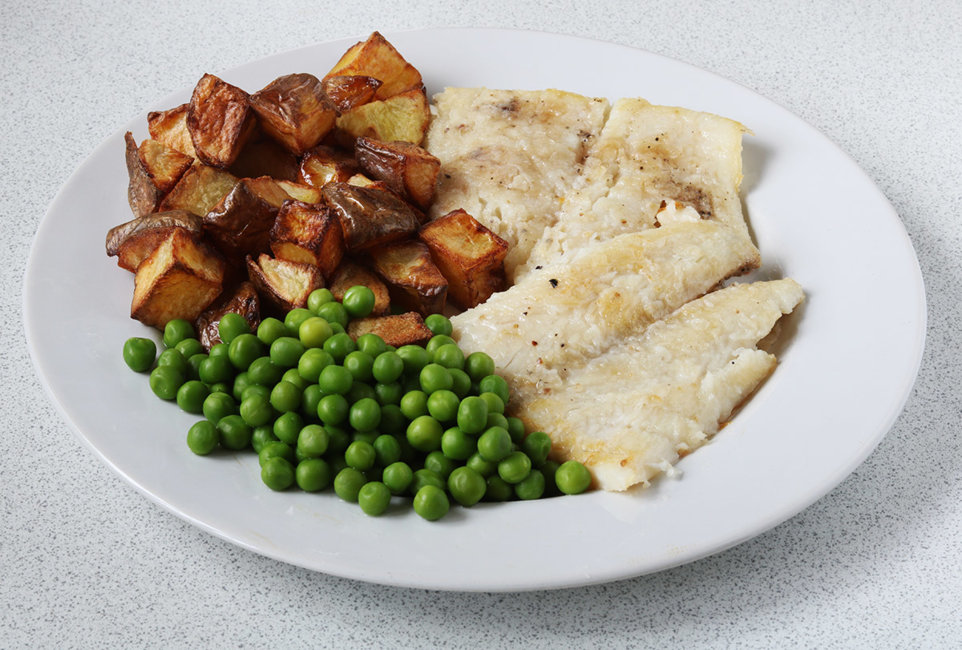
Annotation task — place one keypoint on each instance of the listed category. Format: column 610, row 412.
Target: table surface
column 86, row 560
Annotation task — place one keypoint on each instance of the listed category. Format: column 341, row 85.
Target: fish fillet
column 630, row 413
column 508, row 157
column 649, row 158
column 558, row 317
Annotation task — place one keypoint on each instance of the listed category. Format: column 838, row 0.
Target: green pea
column 339, row 346
column 219, row 351
column 261, row 437
column 337, row 328
column 232, row 325
column 339, row 439
column 572, row 477
column 139, row 353
column 165, row 381
column 374, row 498
column 387, row 448
column 466, row 486
column 319, row 297
column 360, row 365
column 172, row 358
column 398, row 477
column 202, row 438
column 438, row 324
column 291, row 375
column 414, row 404
column 358, row 301
column 387, row 367
column 479, row 365
column 472, row 415
column 334, row 312
column 424, row 477
column 514, row 467
column 435, row 377
column 371, row 343
column 359, row 390
column 312, row 441
column 310, row 399
column 287, row 427
column 312, row 474
column 348, row 483
column 243, row 349
column 494, row 402
column 443, row 405
column 333, row 409
column 458, row 445
column 312, row 362
column 241, row 381
column 495, row 384
column 218, row 405
column 235, row 433
column 393, row 421
column 217, row 369
column 277, row 473
column 483, row 467
column 494, row 444
column 460, row 382
column 189, row 347
column 193, row 363
column 294, row 318
column 176, row 331
column 286, row 397
column 424, row 433
column 275, row 449
column 256, row 389
column 536, row 445
column 498, row 420
column 431, row 503
column 286, row 351
column 531, row 487
column 497, row 489
column 449, row 356
column 440, row 464
column 436, row 342
column 414, row 357
column 365, row 436
column 388, row 393
column 516, row 429
column 365, row 414
column 191, row 396
column 263, row 372
column 256, row 410
column 271, row 329
column 314, row 331
column 335, row 380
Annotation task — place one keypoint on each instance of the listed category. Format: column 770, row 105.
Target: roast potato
column 295, row 111
column 170, row 127
column 133, row 241
column 376, row 57
column 198, row 190
column 220, row 120
column 264, row 157
column 412, row 277
column 323, row 165
column 349, row 274
column 284, row 285
column 348, row 91
column 242, row 300
column 370, row 216
column 309, row 234
column 396, row 329
column 240, row 224
column 403, row 117
column 405, row 168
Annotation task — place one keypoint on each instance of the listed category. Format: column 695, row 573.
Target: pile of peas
column 321, row 409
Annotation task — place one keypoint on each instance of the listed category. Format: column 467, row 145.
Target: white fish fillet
column 510, row 156
column 557, row 317
column 630, row 413
column 648, row 158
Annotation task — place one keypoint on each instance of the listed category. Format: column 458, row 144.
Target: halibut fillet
column 509, row 157
column 559, row 317
column 629, row 414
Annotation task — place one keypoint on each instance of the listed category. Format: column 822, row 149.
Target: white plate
column 842, row 381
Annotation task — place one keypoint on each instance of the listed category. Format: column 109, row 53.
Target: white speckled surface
column 86, row 561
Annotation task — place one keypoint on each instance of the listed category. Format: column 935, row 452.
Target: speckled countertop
column 86, row 561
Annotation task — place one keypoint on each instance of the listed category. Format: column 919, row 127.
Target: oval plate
column 848, row 367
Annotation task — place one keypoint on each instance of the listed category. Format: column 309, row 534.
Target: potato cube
column 264, row 157
column 240, row 224
column 198, row 190
column 242, row 300
column 405, row 168
column 348, row 91
column 376, row 57
column 309, row 234
column 295, row 111
column 284, row 285
column 469, row 255
column 412, row 278
column 370, row 216
column 220, row 121
column 300, row 192
column 170, row 127
column 133, row 241
column 350, row 274
column 403, row 117
column 323, row 165
column 396, row 329
column 153, row 169
column 179, row 279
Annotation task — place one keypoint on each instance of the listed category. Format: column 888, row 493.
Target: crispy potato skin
column 179, row 279
column 376, row 57
column 370, row 216
column 396, row 330
column 240, row 224
column 323, row 165
column 309, row 234
column 404, row 117
column 469, row 255
column 406, row 168
column 412, row 277
column 198, row 190
column 295, row 111
column 220, row 120
column 142, row 194
column 264, row 157
column 243, row 300
column 349, row 274
column 348, row 91
column 283, row 285
column 131, row 242
column 170, row 127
